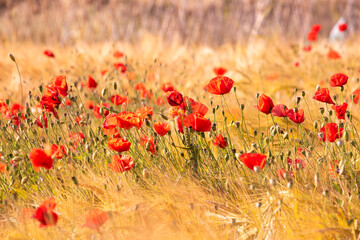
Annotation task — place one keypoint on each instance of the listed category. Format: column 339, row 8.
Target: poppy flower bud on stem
column 322, row 110
column 257, row 95
column 335, row 97
column 330, row 112
column 12, row 57
column 242, row 106
column 303, row 93
column 298, row 99
column 272, row 182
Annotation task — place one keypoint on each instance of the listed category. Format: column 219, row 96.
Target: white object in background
column 335, row 33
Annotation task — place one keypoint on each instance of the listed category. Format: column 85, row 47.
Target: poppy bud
column 103, row 92
column 257, row 169
column 325, row 193
column 342, row 88
column 12, row 57
column 258, row 204
column 298, row 99
column 272, row 182
column 303, row 93
column 330, row 113
column 115, row 85
column 255, row 133
column 286, row 135
column 242, row 106
column 257, row 95
column 237, row 124
column 146, row 173
column 24, row 180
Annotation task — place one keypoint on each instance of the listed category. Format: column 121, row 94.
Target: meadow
column 169, row 141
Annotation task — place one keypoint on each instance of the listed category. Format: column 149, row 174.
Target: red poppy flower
column 49, row 53
column 128, row 120
column 312, row 36
column 307, row 48
column 97, row 110
column 131, row 76
column 296, row 163
column 121, row 163
column 219, row 71
column 174, row 98
column 316, row 27
column 281, row 173
column 179, row 123
column 265, row 104
column 118, row 54
column 103, row 72
column 118, row 100
column 144, row 112
column 161, row 128
column 55, row 151
column 167, row 87
column 120, row 67
column 196, row 107
column 279, row 110
column 340, row 110
column 50, row 104
column 331, row 132
column 296, row 64
column 110, row 121
column 220, row 141
column 356, row 93
column 338, row 80
column 342, row 27
column 67, row 102
column 42, row 119
column 332, row 54
column 174, row 111
column 44, row 213
column 39, row 158
column 160, row 101
column 323, row 95
column 2, row 167
column 119, row 144
column 220, row 85
column 197, row 123
column 89, row 104
column 60, row 84
column 94, row 219
column 252, row 160
column 296, row 117
column 76, row 138
column 91, row 83
column 147, row 142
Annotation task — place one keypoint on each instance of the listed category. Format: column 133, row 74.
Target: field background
column 180, row 42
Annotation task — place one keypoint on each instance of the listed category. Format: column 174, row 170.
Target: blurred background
column 211, row 22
